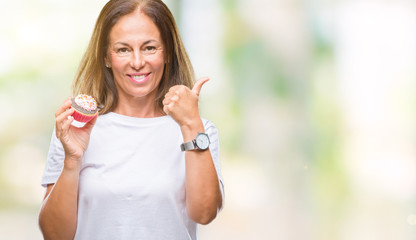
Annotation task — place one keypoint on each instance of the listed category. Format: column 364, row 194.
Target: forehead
column 134, row 27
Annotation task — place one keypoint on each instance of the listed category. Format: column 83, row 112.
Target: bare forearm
column 203, row 196
column 58, row 215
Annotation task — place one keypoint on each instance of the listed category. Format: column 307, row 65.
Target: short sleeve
column 54, row 161
column 214, row 148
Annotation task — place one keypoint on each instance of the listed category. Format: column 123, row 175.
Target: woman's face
column 135, row 54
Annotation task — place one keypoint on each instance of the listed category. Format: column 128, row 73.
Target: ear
column 107, row 62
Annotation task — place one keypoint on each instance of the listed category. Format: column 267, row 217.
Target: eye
column 123, row 51
column 149, row 49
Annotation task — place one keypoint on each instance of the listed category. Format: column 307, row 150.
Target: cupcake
column 85, row 108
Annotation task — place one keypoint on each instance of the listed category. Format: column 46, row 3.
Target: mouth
column 139, row 77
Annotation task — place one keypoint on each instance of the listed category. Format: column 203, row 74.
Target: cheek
column 117, row 63
column 158, row 63
column 157, row 60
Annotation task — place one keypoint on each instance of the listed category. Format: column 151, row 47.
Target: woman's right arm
column 58, row 215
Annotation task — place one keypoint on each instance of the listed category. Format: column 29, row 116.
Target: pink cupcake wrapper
column 80, row 117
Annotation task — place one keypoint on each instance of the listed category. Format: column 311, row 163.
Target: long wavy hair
column 95, row 79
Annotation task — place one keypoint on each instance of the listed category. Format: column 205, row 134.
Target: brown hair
column 93, row 78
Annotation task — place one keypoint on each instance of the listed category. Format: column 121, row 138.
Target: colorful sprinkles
column 86, row 102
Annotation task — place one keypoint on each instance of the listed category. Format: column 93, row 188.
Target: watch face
column 202, row 141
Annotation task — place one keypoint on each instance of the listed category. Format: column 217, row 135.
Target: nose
column 137, row 60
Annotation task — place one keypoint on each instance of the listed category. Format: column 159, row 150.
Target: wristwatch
column 201, row 142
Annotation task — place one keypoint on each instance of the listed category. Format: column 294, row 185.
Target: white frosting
column 86, row 102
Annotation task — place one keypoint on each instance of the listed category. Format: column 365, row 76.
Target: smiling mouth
column 139, row 78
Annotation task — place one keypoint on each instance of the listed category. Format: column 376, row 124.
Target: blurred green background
column 314, row 100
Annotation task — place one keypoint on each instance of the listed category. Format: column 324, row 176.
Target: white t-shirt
column 132, row 179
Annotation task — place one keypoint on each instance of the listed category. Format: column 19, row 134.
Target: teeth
column 138, row 77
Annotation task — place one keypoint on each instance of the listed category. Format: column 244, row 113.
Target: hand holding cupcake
column 74, row 139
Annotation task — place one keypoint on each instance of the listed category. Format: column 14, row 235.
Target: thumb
column 91, row 123
column 198, row 85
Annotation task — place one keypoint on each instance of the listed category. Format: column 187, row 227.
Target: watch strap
column 188, row 146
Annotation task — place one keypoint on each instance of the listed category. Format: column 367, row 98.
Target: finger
column 64, row 115
column 175, row 98
column 67, row 103
column 62, row 126
column 198, row 85
column 67, row 124
column 169, row 95
column 61, row 120
column 166, row 109
column 91, row 123
column 166, row 101
column 174, row 88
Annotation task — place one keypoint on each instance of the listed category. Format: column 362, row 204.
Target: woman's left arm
column 203, row 194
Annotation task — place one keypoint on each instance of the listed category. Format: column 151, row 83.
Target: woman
column 148, row 166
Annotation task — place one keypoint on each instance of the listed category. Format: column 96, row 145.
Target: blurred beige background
column 315, row 103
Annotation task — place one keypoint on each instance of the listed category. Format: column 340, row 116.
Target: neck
column 138, row 107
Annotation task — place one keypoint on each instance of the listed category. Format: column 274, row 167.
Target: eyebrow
column 126, row 44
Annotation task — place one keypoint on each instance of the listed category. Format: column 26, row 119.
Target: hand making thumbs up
column 181, row 103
